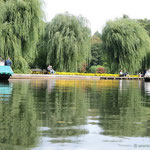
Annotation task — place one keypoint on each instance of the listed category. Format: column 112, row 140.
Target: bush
column 100, row 70
column 97, row 69
column 92, row 69
column 83, row 68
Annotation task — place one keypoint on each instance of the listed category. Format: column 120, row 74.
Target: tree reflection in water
column 60, row 109
column 147, row 88
column 121, row 110
column 61, row 105
column 18, row 123
column 65, row 108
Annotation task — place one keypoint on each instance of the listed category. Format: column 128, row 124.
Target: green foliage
column 40, row 60
column 20, row 24
column 97, row 57
column 146, row 24
column 126, row 44
column 93, row 69
column 67, row 42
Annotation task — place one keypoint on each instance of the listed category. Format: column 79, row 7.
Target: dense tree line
column 66, row 42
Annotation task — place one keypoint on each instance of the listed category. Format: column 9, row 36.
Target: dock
column 50, row 76
column 121, row 78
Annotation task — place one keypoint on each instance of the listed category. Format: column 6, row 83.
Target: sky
column 98, row 12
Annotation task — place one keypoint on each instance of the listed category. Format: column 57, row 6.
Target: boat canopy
column 6, row 70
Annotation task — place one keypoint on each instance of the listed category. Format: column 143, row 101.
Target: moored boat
column 147, row 79
column 147, row 76
column 5, row 72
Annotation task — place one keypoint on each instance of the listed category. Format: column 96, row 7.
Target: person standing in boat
column 8, row 62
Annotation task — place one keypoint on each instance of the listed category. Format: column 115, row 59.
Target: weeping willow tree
column 126, row 44
column 67, row 42
column 146, row 25
column 20, row 24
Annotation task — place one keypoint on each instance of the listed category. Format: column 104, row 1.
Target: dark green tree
column 126, row 43
column 41, row 56
column 20, row 27
column 67, row 42
column 96, row 51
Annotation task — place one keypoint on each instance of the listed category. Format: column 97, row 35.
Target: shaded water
column 74, row 115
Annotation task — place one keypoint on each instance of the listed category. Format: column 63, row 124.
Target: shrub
column 92, row 69
column 100, row 70
column 83, row 68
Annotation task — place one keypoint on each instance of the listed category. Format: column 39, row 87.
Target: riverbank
column 48, row 76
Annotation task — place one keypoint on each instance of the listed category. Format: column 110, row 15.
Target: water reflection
column 147, row 88
column 18, row 122
column 64, row 111
column 5, row 90
column 84, row 113
column 122, row 113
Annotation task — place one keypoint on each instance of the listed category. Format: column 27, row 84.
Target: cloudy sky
column 98, row 12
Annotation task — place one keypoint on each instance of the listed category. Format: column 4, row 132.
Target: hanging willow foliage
column 146, row 25
column 20, row 24
column 67, row 42
column 126, row 44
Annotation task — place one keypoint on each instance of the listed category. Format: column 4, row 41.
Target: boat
column 147, row 76
column 147, row 79
column 5, row 72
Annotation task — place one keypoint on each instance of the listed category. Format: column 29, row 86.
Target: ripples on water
column 74, row 115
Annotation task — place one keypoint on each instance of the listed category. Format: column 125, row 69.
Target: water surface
column 60, row 114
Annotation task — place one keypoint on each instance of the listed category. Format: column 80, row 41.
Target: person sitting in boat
column 8, row 62
column 50, row 69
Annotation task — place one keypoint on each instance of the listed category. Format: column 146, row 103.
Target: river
column 66, row 114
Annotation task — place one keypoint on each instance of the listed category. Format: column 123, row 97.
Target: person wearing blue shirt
column 8, row 62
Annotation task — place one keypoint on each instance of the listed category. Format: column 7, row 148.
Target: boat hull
column 147, row 79
column 4, row 76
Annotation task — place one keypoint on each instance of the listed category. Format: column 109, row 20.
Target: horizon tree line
column 66, row 42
